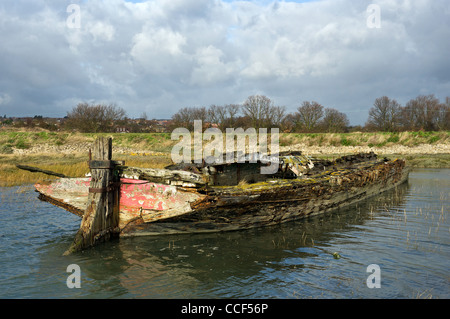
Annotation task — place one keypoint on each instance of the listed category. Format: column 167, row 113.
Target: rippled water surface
column 406, row 232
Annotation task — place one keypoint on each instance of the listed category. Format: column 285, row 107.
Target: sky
column 159, row 56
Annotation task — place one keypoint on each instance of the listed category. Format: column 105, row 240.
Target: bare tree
column 334, row 121
column 232, row 112
column 277, row 115
column 308, row 116
column 183, row 118
column 186, row 116
column 384, row 115
column 443, row 115
column 256, row 108
column 217, row 115
column 224, row 116
column 94, row 118
column 200, row 113
column 421, row 113
column 289, row 122
column 261, row 112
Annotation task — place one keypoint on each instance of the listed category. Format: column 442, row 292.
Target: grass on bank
column 75, row 165
column 10, row 140
column 161, row 142
column 378, row 139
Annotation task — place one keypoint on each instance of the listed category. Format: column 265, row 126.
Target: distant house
column 163, row 122
column 122, row 129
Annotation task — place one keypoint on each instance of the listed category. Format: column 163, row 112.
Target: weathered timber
column 101, row 217
column 262, row 204
column 161, row 175
column 190, row 199
column 104, row 164
column 138, row 198
column 39, row 170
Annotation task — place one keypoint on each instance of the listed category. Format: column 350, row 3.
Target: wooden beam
column 160, row 175
column 101, row 219
column 39, row 170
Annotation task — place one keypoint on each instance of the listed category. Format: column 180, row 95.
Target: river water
column 404, row 232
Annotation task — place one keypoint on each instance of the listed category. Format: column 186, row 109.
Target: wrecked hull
column 139, row 199
column 229, row 210
column 149, row 208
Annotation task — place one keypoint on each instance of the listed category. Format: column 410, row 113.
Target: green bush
column 434, row 139
column 394, row 138
column 42, row 135
column 345, row 142
column 20, row 144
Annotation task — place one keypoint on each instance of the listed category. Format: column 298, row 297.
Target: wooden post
column 101, row 218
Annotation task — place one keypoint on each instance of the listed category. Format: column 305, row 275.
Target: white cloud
column 211, row 68
column 101, row 31
column 4, row 98
column 158, row 50
column 158, row 56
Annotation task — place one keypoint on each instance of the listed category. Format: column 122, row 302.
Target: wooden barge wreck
column 235, row 195
column 200, row 198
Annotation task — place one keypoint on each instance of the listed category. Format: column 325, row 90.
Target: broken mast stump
column 101, row 218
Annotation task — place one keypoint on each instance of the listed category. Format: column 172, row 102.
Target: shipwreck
column 117, row 200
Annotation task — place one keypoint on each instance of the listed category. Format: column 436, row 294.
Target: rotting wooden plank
column 101, row 218
column 68, row 193
column 161, row 175
column 39, row 170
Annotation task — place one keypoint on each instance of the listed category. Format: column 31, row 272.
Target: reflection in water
column 405, row 231
column 235, row 264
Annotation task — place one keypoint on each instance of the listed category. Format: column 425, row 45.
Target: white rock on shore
column 396, row 149
column 306, row 149
column 81, row 148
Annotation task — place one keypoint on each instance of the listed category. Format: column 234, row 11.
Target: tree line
column 259, row 111
column 424, row 112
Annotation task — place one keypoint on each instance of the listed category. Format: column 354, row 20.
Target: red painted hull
column 138, row 198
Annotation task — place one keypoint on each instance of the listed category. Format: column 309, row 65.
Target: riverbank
column 67, row 153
